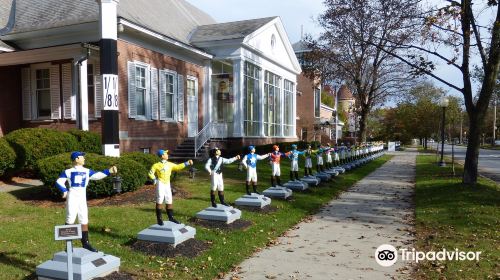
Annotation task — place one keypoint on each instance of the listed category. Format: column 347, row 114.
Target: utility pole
column 461, row 127
column 109, row 76
column 494, row 120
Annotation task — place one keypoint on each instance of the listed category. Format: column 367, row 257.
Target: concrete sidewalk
column 18, row 183
column 340, row 241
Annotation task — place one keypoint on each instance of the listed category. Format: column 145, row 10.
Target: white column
column 207, row 93
column 238, row 97
column 282, row 107
column 84, row 101
column 261, row 103
column 294, row 108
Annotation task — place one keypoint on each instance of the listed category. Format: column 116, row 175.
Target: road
column 489, row 160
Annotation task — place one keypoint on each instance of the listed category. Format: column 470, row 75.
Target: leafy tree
column 327, row 99
column 349, row 51
column 455, row 25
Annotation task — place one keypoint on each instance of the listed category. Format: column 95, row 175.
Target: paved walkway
column 340, row 241
column 18, row 183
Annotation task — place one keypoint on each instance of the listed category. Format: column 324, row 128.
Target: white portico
column 252, row 79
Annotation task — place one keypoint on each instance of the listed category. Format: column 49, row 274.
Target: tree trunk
column 362, row 125
column 472, row 154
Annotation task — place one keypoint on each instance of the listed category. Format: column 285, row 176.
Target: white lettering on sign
column 110, row 91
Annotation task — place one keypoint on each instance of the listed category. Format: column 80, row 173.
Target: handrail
column 202, row 137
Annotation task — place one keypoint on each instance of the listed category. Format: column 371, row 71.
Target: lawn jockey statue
column 308, row 153
column 78, row 178
column 214, row 166
column 319, row 159
column 160, row 173
column 329, row 151
column 275, row 160
column 250, row 163
column 294, row 157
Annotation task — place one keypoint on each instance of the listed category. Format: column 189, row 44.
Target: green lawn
column 27, row 232
column 451, row 215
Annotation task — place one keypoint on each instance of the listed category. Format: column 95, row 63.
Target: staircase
column 185, row 151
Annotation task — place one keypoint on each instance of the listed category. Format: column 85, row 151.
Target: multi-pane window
column 190, row 87
column 43, row 92
column 140, row 90
column 91, row 90
column 288, row 108
column 303, row 134
column 317, row 102
column 251, row 99
column 271, row 104
column 169, row 97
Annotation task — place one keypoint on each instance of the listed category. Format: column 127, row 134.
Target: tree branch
column 427, row 72
column 478, row 36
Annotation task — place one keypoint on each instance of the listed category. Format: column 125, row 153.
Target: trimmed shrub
column 147, row 160
column 7, row 157
column 33, row 144
column 133, row 174
column 89, row 142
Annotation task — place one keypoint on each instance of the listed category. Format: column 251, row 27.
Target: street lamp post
column 443, row 103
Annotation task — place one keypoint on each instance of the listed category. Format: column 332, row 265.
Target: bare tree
column 351, row 49
column 455, row 26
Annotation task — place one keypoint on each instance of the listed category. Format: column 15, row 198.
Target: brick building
column 315, row 120
column 181, row 75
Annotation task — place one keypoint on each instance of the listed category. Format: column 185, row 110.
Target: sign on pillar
column 109, row 76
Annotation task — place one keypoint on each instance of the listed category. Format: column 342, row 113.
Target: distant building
column 315, row 121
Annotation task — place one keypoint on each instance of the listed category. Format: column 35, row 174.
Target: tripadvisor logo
column 386, row 255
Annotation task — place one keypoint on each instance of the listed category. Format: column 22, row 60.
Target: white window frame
column 147, row 94
column 256, row 121
column 34, row 96
column 317, row 102
column 288, row 122
column 174, row 93
column 276, row 122
column 195, row 81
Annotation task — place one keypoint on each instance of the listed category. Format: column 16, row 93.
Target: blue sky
column 297, row 13
column 293, row 13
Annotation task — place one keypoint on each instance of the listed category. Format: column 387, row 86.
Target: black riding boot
column 247, row 186
column 272, row 182
column 291, row 175
column 86, row 243
column 255, row 188
column 278, row 180
column 159, row 219
column 221, row 198
column 296, row 175
column 212, row 199
column 170, row 213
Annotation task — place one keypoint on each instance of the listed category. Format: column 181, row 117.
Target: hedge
column 147, row 160
column 7, row 157
column 33, row 144
column 89, row 142
column 133, row 174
